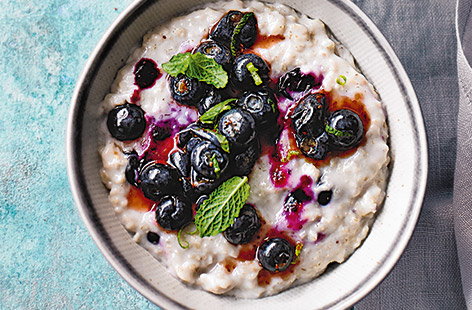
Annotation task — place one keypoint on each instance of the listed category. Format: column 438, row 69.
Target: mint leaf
column 336, row 132
column 178, row 64
column 223, row 205
column 255, row 76
column 198, row 66
column 211, row 115
column 216, row 165
column 237, row 30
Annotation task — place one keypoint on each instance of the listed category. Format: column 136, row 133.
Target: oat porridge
column 243, row 149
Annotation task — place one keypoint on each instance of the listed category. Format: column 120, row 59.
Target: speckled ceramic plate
column 339, row 287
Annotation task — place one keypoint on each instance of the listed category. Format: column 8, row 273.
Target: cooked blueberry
column 132, row 169
column 238, row 126
column 181, row 161
column 316, row 148
column 153, row 237
column 208, row 160
column 295, row 81
column 309, row 116
column 161, row 133
column 245, row 161
column 184, row 136
column 185, row 90
column 295, row 199
column 211, row 98
column 261, row 104
column 220, row 53
column 145, row 73
column 275, row 254
column 324, row 197
column 157, row 180
column 173, row 213
column 193, row 131
column 200, row 200
column 247, row 70
column 126, row 122
column 223, row 31
column 345, row 129
column 202, row 185
column 244, row 227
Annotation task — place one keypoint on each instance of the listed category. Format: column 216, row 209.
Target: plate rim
column 83, row 200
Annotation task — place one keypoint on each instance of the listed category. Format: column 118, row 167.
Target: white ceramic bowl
column 339, row 287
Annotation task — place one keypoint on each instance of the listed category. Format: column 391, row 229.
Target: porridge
column 243, row 149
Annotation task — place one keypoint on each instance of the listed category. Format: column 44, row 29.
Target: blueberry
column 316, row 148
column 126, row 122
column 185, row 90
column 200, row 200
column 145, row 73
column 309, row 116
column 157, row 180
column 262, row 105
column 219, row 52
column 208, row 160
column 132, row 169
column 161, row 132
column 295, row 81
column 211, row 98
column 345, row 129
column 242, row 77
column 153, row 238
column 295, row 199
column 275, row 254
column 238, row 126
column 244, row 227
column 194, row 131
column 245, row 161
column 223, row 31
column 173, row 212
column 324, row 197
column 201, row 185
column 181, row 161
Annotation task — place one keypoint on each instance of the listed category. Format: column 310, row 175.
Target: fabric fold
column 463, row 172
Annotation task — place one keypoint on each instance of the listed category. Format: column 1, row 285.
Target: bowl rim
column 89, row 216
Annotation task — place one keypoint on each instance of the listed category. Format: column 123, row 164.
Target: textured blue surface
column 47, row 258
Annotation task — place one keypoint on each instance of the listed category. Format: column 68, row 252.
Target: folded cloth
column 463, row 175
column 423, row 36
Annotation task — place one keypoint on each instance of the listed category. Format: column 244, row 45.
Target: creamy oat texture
column 358, row 181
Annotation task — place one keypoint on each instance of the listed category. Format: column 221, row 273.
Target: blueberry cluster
column 318, row 132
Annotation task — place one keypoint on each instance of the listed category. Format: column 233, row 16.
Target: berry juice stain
column 296, row 201
column 137, row 201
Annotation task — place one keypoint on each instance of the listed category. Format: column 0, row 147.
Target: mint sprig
column 223, row 205
column 336, row 132
column 237, row 30
column 198, row 66
column 210, row 116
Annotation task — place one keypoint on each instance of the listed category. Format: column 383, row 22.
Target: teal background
column 47, row 258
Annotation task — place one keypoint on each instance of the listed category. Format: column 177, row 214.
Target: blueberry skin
column 211, row 98
column 245, row 161
column 275, row 254
column 132, row 169
column 201, row 185
column 202, row 157
column 126, row 122
column 242, row 78
column 173, row 212
column 316, row 148
column 350, row 126
column 219, row 52
column 262, row 105
column 223, row 31
column 244, row 227
column 309, row 116
column 157, row 180
column 181, row 161
column 239, row 127
column 187, row 91
column 296, row 81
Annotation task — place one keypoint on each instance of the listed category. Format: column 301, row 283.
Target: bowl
column 337, row 288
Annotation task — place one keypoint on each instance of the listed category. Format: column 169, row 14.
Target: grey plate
column 340, row 287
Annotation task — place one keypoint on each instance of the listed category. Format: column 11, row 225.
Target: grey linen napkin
column 422, row 33
column 463, row 175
